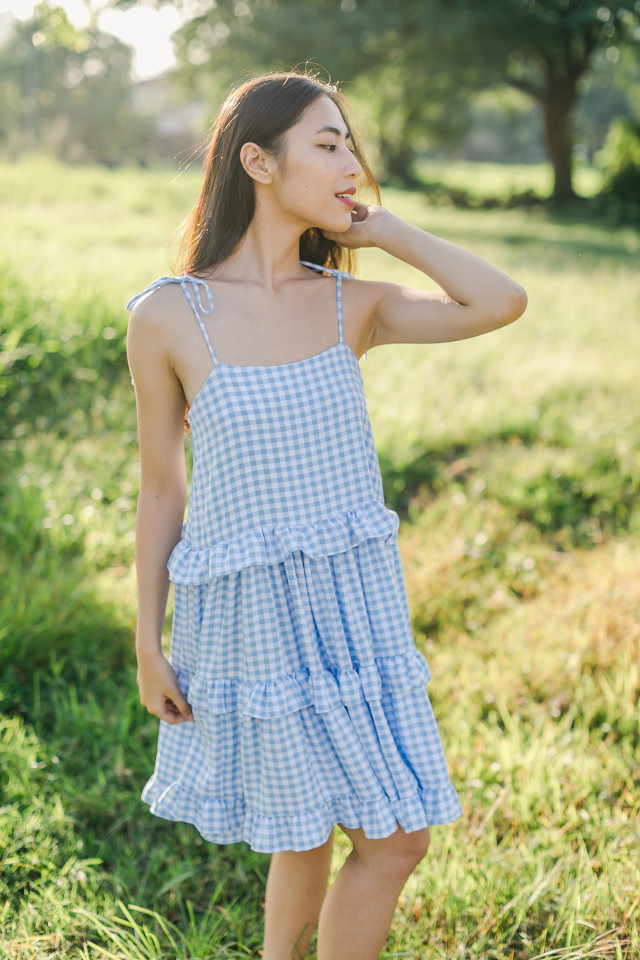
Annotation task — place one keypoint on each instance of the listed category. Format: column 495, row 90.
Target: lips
column 345, row 197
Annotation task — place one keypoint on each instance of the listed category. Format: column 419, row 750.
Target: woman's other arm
column 161, row 503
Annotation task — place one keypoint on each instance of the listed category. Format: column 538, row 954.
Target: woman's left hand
column 365, row 227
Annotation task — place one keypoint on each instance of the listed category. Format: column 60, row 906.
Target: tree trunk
column 557, row 107
column 398, row 165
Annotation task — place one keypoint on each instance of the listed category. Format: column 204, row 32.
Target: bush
column 621, row 160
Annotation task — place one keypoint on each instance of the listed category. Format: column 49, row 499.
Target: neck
column 268, row 254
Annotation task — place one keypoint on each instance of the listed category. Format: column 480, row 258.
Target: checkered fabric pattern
column 291, row 633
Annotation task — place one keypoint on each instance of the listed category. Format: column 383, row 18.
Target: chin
column 338, row 226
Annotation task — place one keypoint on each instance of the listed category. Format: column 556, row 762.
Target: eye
column 328, row 146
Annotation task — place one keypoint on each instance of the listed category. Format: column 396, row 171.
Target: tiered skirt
column 308, row 693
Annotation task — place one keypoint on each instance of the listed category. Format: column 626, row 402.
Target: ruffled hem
column 269, row 545
column 300, row 689
column 225, row 821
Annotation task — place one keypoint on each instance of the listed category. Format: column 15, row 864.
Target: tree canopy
column 417, row 62
column 67, row 91
column 414, row 69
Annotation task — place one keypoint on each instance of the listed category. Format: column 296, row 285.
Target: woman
column 295, row 697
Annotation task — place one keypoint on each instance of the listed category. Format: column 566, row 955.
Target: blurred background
column 433, row 83
column 511, row 127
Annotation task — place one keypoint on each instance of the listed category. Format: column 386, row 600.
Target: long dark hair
column 260, row 111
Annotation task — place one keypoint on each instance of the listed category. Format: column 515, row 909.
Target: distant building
column 180, row 126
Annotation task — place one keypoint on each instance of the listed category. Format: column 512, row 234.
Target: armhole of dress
column 340, row 274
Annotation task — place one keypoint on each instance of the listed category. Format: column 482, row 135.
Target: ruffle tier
column 268, row 545
column 323, row 690
column 231, row 821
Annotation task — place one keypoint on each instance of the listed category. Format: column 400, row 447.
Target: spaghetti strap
column 339, row 303
column 338, row 274
column 186, row 281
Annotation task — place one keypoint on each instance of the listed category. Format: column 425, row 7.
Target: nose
column 352, row 167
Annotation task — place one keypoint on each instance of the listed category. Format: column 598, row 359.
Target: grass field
column 500, row 179
column 514, row 461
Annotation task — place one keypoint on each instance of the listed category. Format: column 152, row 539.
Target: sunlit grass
column 502, row 179
column 514, row 462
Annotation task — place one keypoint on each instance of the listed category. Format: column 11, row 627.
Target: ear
column 257, row 163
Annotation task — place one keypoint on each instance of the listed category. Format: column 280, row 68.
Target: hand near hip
column 159, row 690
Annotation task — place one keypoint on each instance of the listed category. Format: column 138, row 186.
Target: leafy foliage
column 415, row 63
column 621, row 191
column 48, row 358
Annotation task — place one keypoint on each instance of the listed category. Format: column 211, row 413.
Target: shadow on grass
column 565, row 251
column 435, row 466
column 574, row 497
column 77, row 748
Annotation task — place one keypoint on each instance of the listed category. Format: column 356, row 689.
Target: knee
column 398, row 854
column 412, row 847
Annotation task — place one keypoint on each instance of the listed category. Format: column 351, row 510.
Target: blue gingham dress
column 291, row 634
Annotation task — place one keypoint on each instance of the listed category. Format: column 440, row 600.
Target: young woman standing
column 294, row 699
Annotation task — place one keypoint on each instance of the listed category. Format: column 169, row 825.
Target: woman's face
column 317, row 166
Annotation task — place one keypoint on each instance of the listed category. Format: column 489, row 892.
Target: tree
column 371, row 47
column 545, row 48
column 419, row 60
column 68, row 91
column 610, row 89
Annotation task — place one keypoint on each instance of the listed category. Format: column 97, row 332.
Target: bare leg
column 296, row 886
column 358, row 909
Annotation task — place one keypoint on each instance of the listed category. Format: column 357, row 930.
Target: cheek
column 311, row 179
column 313, row 167
column 306, row 176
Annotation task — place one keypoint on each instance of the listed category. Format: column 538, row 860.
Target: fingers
column 160, row 692
column 172, row 715
column 176, row 706
column 357, row 234
column 183, row 707
column 360, row 212
column 171, row 709
column 171, row 712
column 178, row 701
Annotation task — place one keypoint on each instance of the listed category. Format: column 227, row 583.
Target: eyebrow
column 333, row 130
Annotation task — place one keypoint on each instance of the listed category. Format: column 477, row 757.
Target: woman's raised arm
column 475, row 296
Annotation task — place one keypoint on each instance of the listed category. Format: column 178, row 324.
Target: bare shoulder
column 152, row 327
column 159, row 310
column 160, row 399
column 157, row 324
column 357, row 286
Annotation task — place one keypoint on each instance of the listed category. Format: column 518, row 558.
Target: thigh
column 306, row 856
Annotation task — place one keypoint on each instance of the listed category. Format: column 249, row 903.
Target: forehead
column 321, row 112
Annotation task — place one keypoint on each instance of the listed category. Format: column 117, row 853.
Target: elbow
column 520, row 300
column 512, row 305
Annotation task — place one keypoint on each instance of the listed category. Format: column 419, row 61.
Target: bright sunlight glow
column 144, row 29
